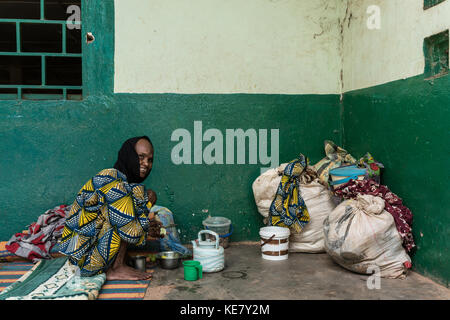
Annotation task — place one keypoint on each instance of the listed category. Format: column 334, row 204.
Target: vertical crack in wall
column 346, row 19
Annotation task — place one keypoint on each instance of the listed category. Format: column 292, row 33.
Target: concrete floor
column 306, row 276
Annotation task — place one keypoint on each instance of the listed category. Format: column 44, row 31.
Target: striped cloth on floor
column 54, row 279
column 10, row 272
column 111, row 290
column 123, row 290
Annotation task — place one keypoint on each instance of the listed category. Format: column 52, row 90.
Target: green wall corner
column 405, row 125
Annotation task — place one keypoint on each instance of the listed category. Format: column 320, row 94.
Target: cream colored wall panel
column 233, row 46
column 395, row 51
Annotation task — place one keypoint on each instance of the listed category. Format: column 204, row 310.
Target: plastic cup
column 192, row 270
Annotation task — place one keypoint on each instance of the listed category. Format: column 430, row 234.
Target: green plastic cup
column 193, row 270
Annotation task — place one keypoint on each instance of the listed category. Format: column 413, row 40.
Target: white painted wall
column 395, row 51
column 227, row 46
column 269, row 46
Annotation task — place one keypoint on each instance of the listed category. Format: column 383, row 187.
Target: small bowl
column 169, row 259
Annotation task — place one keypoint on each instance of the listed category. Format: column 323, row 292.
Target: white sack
column 265, row 188
column 318, row 200
column 361, row 235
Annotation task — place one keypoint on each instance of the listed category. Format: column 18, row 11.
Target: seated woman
column 111, row 211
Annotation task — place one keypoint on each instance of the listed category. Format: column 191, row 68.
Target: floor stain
column 188, row 289
column 234, row 275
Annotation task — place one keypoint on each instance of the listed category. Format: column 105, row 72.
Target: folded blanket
column 54, row 279
column 42, row 235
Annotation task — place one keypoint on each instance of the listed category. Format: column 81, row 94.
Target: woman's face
column 145, row 153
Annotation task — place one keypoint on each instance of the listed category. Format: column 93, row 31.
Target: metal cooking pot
column 169, row 259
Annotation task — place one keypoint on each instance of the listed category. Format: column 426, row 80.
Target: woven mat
column 111, row 290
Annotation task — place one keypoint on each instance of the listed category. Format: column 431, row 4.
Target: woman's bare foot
column 120, row 271
column 125, row 272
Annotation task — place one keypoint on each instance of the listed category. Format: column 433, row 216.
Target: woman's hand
column 154, row 230
column 151, row 196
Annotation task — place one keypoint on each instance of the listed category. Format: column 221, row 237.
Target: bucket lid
column 216, row 222
column 277, row 231
column 347, row 171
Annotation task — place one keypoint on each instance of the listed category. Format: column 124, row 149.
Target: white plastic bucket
column 274, row 243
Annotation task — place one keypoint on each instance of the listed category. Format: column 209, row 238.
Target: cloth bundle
column 373, row 168
column 335, row 157
column 41, row 237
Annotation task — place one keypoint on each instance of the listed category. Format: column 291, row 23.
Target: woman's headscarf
column 128, row 160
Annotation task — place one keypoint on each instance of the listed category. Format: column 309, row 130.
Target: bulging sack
column 318, row 200
column 265, row 187
column 361, row 236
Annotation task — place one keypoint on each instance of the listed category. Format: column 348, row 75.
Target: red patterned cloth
column 41, row 237
column 392, row 204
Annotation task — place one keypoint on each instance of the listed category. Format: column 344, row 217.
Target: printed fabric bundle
column 373, row 168
column 288, row 209
column 335, row 157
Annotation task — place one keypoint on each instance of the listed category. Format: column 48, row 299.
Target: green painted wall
column 49, row 149
column 405, row 125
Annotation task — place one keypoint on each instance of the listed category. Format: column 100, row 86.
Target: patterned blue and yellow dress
column 106, row 211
